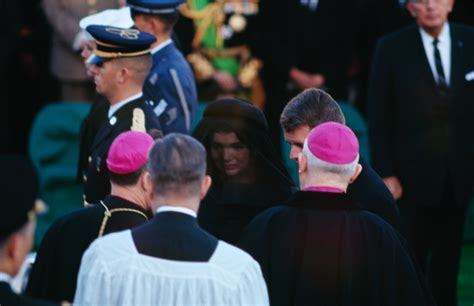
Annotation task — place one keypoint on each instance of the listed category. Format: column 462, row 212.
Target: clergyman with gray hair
column 321, row 248
column 170, row 260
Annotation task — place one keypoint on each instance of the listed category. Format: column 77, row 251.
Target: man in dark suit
column 313, row 107
column 121, row 63
column 54, row 272
column 420, row 111
column 19, row 186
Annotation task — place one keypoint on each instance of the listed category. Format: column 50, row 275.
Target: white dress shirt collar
column 117, row 106
column 444, row 46
column 182, row 210
column 161, row 46
column 5, row 278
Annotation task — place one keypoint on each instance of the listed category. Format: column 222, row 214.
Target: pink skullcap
column 334, row 143
column 129, row 152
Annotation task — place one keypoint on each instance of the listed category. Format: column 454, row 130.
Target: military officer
column 170, row 85
column 121, row 62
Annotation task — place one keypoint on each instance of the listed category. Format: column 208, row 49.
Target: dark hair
column 127, row 179
column 177, row 164
column 169, row 19
column 311, row 107
column 251, row 128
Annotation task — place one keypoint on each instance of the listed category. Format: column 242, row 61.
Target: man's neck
column 176, row 201
column 434, row 32
column 160, row 38
column 125, row 93
column 131, row 194
column 333, row 183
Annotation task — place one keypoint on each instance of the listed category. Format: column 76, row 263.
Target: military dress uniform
column 170, row 87
column 134, row 114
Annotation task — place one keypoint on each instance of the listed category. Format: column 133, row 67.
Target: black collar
column 113, row 202
column 322, row 200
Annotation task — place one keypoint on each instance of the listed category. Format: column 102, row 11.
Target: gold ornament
column 237, row 22
column 138, row 121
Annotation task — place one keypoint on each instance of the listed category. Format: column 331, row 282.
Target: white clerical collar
column 443, row 37
column 117, row 106
column 5, row 278
column 183, row 210
column 161, row 46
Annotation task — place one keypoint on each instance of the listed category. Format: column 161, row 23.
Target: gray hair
column 177, row 165
column 316, row 165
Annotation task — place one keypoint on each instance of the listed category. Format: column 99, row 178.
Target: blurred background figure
column 19, row 188
column 170, row 88
column 247, row 174
column 420, row 112
column 218, row 38
column 66, row 63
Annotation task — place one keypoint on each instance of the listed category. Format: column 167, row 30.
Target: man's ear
column 411, row 9
column 147, row 182
column 206, row 184
column 302, row 163
column 357, row 172
column 451, row 5
column 122, row 75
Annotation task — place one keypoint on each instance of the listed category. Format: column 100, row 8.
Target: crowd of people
column 184, row 206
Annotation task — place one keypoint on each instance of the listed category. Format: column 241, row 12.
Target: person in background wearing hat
column 170, row 84
column 313, row 107
column 66, row 62
column 121, row 62
column 170, row 260
column 54, row 273
column 321, row 248
column 247, row 174
column 19, row 188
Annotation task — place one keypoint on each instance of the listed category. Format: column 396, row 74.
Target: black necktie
column 439, row 66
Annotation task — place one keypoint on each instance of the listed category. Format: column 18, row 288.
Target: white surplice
column 114, row 273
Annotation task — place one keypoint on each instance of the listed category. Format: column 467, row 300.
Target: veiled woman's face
column 230, row 156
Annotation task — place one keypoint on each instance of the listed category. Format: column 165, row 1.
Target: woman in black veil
column 247, row 174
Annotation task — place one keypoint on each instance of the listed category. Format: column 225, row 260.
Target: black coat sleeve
column 370, row 192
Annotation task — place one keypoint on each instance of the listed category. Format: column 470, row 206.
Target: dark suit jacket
column 370, row 193
column 96, row 180
column 174, row 236
column 55, row 270
column 10, row 298
column 419, row 133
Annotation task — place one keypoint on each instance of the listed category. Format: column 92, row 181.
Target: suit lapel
column 420, row 57
column 102, row 134
column 121, row 117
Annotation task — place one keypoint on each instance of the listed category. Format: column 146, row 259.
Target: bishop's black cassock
column 55, row 270
column 321, row 249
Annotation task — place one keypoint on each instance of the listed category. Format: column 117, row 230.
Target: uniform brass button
column 84, row 178
column 90, row 159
